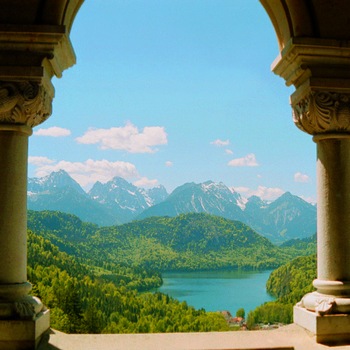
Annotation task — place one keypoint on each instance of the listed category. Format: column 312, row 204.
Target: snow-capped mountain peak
column 56, row 180
column 119, row 201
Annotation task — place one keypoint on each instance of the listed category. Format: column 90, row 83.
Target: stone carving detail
column 323, row 112
column 321, row 304
column 325, row 305
column 28, row 307
column 25, row 310
column 24, row 103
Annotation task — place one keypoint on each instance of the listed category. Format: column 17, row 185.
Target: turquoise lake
column 218, row 290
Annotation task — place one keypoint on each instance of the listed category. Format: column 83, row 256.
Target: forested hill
column 186, row 242
column 289, row 283
column 84, row 298
column 308, row 243
column 61, row 224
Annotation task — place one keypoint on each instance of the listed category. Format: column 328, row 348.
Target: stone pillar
column 326, row 115
column 13, row 237
column 333, row 175
column 320, row 71
column 23, row 318
column 34, row 47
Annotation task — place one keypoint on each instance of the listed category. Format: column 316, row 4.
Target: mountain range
column 118, row 202
column 112, row 203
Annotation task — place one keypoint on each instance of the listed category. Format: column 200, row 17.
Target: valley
column 98, row 279
column 111, row 247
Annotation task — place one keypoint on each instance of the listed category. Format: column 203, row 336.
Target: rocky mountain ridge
column 118, row 202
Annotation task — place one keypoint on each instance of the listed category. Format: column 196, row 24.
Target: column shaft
column 13, row 204
column 333, row 211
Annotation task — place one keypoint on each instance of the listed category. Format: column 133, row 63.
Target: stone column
column 35, row 46
column 326, row 115
column 319, row 69
column 23, row 318
column 13, row 237
column 333, row 173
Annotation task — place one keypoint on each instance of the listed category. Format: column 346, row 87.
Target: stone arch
column 314, row 42
column 308, row 19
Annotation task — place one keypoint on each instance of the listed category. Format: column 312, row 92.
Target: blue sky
column 175, row 91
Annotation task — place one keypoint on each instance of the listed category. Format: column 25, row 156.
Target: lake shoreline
column 228, row 268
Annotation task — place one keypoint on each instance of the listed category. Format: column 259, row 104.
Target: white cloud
column 299, row 177
column 39, row 161
column 220, row 143
column 241, row 189
column 127, row 138
column 88, row 172
column 228, row 151
column 54, row 131
column 168, row 163
column 266, row 193
column 145, row 182
column 248, row 160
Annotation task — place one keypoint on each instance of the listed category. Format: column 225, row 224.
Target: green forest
column 188, row 242
column 289, row 283
column 100, row 280
column 85, row 299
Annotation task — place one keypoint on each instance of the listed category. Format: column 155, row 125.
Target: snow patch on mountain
column 119, row 201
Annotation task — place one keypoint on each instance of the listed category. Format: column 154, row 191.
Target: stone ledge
column 285, row 338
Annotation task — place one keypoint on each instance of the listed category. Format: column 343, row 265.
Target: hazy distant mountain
column 118, row 201
column 114, row 202
column 286, row 218
column 58, row 191
column 208, row 197
column 124, row 199
column 289, row 217
column 255, row 213
column 55, row 181
column 157, row 194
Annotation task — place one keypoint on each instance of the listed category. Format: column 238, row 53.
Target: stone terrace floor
column 285, row 338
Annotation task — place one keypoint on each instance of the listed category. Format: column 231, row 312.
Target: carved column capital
column 24, row 103
column 323, row 112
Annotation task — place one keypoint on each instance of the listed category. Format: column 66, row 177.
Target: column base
column 24, row 334
column 324, row 304
column 331, row 329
